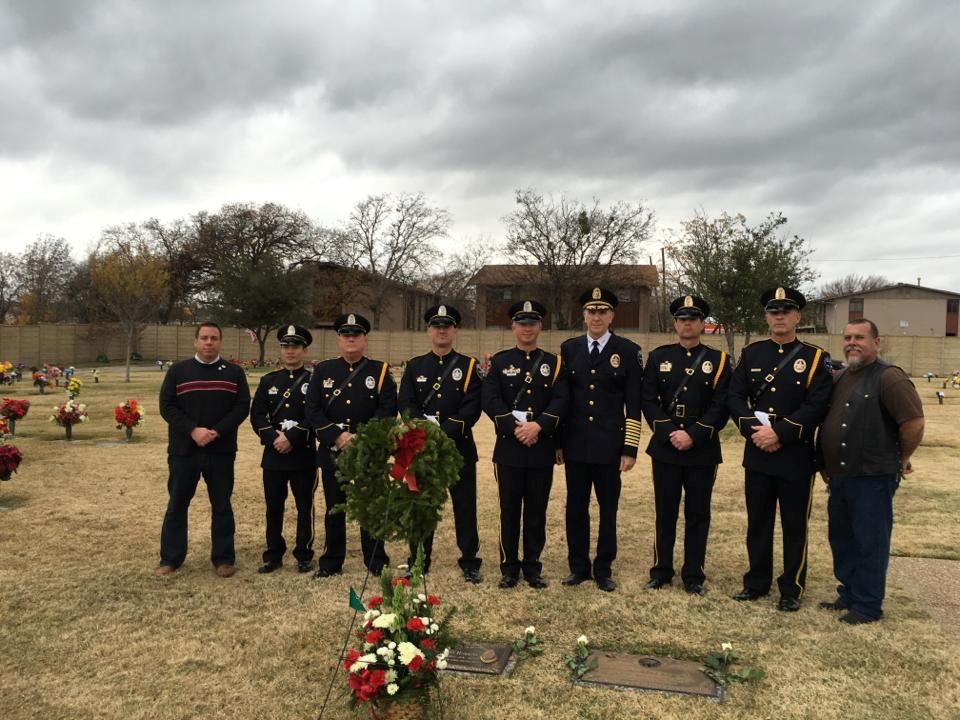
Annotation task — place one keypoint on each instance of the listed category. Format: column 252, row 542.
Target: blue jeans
column 860, row 515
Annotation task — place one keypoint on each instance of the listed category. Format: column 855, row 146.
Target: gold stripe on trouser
column 313, row 514
column 806, row 536
column 496, row 478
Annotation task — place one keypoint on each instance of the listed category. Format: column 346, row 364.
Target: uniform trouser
column 335, row 531
column 860, row 522
column 303, row 483
column 605, row 481
column 523, row 493
column 695, row 483
column 793, row 492
column 463, row 494
column 185, row 472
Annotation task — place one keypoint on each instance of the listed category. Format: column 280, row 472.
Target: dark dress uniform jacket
column 281, row 396
column 455, row 402
column 595, row 429
column 542, row 387
column 371, row 393
column 700, row 408
column 796, row 398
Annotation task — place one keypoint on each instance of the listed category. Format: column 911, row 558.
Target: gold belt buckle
column 680, row 411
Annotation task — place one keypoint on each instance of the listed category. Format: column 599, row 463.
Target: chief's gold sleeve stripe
column 813, row 366
column 723, row 361
column 557, row 371
column 383, row 374
column 473, row 361
column 632, row 434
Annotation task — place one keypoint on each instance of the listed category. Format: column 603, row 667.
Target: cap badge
column 351, row 319
column 442, row 311
column 688, row 301
column 291, row 330
column 596, row 294
column 781, row 294
column 528, row 306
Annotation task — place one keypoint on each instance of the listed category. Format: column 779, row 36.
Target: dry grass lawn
column 87, row 630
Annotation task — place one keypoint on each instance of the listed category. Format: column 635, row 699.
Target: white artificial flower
column 726, row 646
column 421, row 597
column 363, row 662
column 392, row 646
column 530, row 631
column 408, row 651
column 582, row 640
column 434, row 626
column 385, row 621
column 403, row 567
column 390, row 676
column 383, row 651
column 441, row 664
column 370, row 614
column 392, row 689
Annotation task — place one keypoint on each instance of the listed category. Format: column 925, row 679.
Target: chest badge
column 666, row 366
column 511, row 371
column 615, row 360
column 327, row 383
column 545, row 370
column 799, row 365
column 370, row 382
column 421, row 378
column 272, row 391
column 707, row 367
column 457, row 374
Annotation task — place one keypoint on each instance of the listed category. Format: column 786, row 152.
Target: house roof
column 894, row 286
column 622, row 274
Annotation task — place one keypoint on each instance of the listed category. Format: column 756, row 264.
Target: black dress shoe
column 472, row 575
column 788, row 604
column 694, row 588
column 606, row 584
column 508, row 581
column 537, row 582
column 655, row 584
column 837, row 604
column 748, row 594
column 304, row 566
column 574, row 579
column 854, row 618
column 325, row 573
column 269, row 566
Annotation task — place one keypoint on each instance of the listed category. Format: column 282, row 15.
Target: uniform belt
column 686, row 411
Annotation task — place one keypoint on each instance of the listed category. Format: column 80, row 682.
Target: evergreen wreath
column 395, row 473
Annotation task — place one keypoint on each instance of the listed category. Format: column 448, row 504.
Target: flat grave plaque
column 650, row 673
column 483, row 659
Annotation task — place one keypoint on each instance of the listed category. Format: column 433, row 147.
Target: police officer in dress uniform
column 277, row 416
column 343, row 393
column 525, row 395
column 600, row 434
column 778, row 397
column 443, row 386
column 685, row 403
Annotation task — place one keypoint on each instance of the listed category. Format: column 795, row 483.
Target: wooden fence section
column 82, row 344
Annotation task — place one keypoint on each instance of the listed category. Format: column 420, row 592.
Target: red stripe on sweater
column 197, row 385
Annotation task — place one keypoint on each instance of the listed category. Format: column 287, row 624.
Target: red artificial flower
column 378, row 678
column 352, row 656
column 373, row 637
column 374, row 602
column 10, row 459
column 415, row 663
column 401, row 581
column 14, row 409
column 428, row 644
column 433, row 600
column 415, row 624
column 409, row 445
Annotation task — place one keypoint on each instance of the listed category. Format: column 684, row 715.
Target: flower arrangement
column 41, row 380
column 6, row 371
column 401, row 646
column 14, row 409
column 582, row 660
column 4, row 427
column 395, row 474
column 718, row 666
column 74, row 387
column 68, row 414
column 10, row 459
column 128, row 415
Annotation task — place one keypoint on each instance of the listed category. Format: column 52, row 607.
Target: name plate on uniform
column 650, row 673
column 481, row 659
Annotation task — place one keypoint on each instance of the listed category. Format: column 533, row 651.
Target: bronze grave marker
column 483, row 659
column 650, row 673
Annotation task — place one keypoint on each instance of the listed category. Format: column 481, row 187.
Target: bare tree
column 450, row 282
column 42, row 274
column 566, row 244
column 9, row 285
column 391, row 238
column 851, row 284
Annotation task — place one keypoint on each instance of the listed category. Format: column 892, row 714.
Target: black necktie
column 595, row 352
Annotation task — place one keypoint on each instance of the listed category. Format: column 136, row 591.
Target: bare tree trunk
column 729, row 336
column 262, row 342
column 129, row 352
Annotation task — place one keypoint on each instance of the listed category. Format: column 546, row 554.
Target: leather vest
column 869, row 437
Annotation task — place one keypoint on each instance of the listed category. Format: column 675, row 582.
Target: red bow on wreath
column 409, row 446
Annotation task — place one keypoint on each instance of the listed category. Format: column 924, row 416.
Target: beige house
column 500, row 286
column 900, row 309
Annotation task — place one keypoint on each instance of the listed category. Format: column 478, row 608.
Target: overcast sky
column 844, row 116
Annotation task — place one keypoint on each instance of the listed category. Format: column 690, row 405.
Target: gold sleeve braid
column 632, row 435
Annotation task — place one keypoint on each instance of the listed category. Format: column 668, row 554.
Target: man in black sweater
column 204, row 400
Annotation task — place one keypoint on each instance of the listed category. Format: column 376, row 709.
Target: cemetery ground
column 88, row 631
